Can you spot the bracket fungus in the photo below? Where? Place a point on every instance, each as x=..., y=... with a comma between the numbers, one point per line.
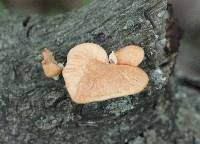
x=89, y=77
x=51, y=68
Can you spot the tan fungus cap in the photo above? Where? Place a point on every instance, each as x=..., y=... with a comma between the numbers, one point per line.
x=90, y=78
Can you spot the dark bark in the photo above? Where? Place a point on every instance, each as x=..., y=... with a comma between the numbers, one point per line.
x=35, y=109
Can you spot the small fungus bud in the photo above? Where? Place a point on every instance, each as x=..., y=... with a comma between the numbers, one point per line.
x=51, y=68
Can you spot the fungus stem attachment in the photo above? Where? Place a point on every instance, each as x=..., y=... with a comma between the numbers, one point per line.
x=112, y=58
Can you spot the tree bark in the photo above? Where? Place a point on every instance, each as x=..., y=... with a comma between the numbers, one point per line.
x=35, y=109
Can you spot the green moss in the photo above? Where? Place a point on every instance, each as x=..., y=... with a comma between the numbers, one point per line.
x=1, y=7
x=86, y=2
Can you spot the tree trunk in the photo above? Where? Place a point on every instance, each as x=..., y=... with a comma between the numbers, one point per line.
x=35, y=109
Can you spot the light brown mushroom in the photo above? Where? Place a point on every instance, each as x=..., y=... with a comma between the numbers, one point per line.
x=90, y=78
x=51, y=68
x=129, y=55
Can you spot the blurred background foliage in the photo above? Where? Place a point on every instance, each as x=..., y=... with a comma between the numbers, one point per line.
x=42, y=6
x=186, y=11
x=1, y=7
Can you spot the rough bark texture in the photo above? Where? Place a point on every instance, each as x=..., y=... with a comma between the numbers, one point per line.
x=35, y=109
